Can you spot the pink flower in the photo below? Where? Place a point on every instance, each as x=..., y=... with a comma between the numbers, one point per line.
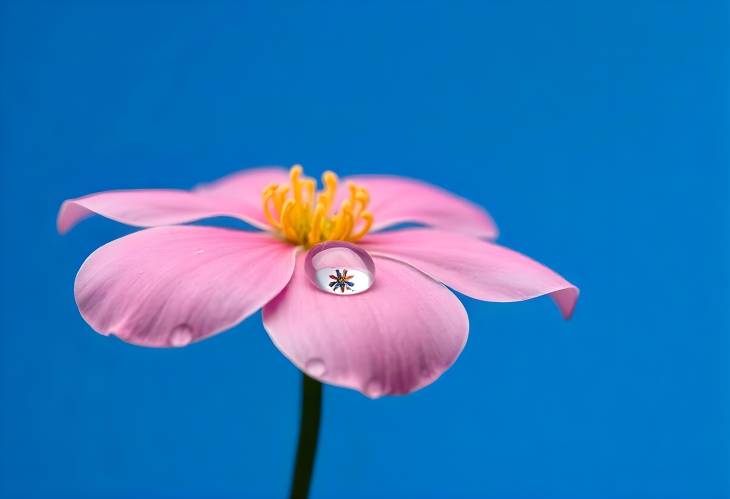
x=171, y=285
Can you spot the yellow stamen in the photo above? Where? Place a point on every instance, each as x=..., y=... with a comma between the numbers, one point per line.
x=310, y=186
x=304, y=216
x=280, y=196
x=329, y=179
x=294, y=174
x=285, y=223
x=353, y=193
x=339, y=232
x=363, y=197
x=368, y=218
x=316, y=223
x=268, y=195
x=340, y=219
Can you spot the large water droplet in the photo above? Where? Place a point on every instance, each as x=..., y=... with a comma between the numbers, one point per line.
x=374, y=388
x=181, y=335
x=315, y=367
x=340, y=268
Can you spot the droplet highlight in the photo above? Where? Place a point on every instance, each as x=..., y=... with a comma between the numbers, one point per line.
x=374, y=388
x=340, y=268
x=181, y=335
x=315, y=367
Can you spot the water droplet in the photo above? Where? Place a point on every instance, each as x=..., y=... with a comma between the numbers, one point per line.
x=200, y=252
x=374, y=388
x=315, y=367
x=340, y=268
x=181, y=335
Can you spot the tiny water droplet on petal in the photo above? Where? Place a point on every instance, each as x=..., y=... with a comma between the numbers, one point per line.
x=200, y=252
x=374, y=388
x=181, y=335
x=340, y=268
x=315, y=367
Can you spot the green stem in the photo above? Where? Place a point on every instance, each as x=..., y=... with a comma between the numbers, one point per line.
x=308, y=433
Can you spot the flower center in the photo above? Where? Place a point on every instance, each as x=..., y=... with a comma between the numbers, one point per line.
x=304, y=216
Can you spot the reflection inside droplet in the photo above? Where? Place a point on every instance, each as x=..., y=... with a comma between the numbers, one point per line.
x=181, y=335
x=340, y=268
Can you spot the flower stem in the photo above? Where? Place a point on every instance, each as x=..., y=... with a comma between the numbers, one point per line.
x=308, y=433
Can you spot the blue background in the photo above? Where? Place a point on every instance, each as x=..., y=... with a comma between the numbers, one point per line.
x=595, y=132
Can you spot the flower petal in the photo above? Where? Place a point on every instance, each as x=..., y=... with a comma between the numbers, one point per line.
x=246, y=184
x=170, y=286
x=154, y=207
x=395, y=338
x=479, y=269
x=396, y=200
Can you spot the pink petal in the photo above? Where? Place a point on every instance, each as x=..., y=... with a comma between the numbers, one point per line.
x=479, y=269
x=246, y=184
x=170, y=286
x=154, y=207
x=395, y=200
x=395, y=338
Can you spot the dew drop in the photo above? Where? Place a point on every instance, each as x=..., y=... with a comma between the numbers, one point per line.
x=315, y=367
x=181, y=335
x=340, y=268
x=374, y=388
x=200, y=252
